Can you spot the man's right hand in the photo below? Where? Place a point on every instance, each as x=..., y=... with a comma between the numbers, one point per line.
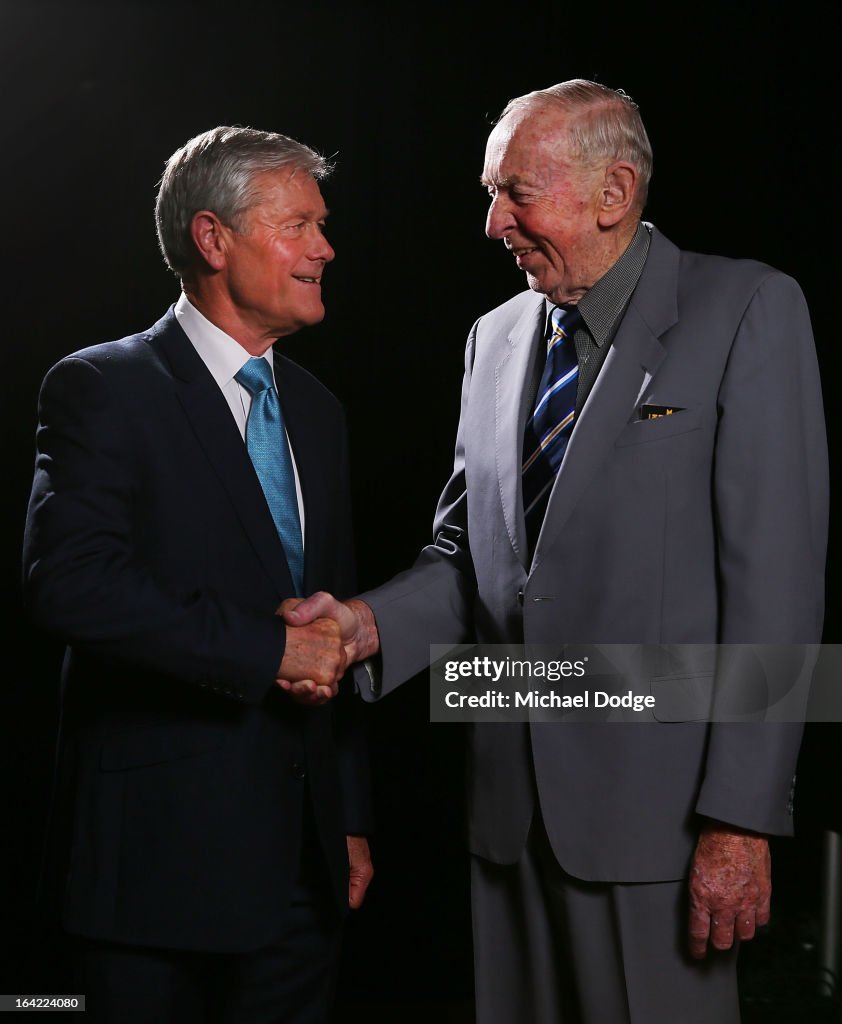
x=354, y=621
x=314, y=661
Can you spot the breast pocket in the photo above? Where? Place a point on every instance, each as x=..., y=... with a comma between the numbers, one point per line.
x=661, y=427
x=684, y=698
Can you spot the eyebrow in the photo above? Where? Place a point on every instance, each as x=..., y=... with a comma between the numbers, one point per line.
x=505, y=182
x=307, y=215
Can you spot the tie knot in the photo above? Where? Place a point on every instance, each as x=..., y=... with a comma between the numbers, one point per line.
x=255, y=376
x=566, y=319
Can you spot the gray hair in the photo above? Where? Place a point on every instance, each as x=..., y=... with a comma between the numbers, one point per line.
x=606, y=124
x=216, y=171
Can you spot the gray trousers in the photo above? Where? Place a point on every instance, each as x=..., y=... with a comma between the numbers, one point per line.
x=551, y=949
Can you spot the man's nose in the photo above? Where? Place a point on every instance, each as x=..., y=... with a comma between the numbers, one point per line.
x=322, y=250
x=499, y=220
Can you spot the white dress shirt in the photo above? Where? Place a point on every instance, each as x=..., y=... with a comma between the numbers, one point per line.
x=225, y=357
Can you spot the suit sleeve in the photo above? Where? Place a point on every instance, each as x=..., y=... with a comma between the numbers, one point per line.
x=770, y=494
x=431, y=603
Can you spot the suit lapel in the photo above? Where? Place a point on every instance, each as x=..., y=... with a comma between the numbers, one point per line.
x=635, y=352
x=511, y=375
x=211, y=420
x=308, y=446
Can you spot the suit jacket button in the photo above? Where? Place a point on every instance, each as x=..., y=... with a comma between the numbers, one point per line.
x=520, y=598
x=299, y=771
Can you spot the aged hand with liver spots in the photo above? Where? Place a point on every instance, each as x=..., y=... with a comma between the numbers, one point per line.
x=730, y=887
x=313, y=663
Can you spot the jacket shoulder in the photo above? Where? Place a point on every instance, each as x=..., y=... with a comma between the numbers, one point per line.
x=729, y=272
x=128, y=348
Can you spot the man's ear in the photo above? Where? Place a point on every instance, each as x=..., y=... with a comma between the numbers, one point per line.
x=618, y=193
x=207, y=232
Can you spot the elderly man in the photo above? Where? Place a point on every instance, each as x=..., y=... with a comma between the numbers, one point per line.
x=640, y=459
x=187, y=480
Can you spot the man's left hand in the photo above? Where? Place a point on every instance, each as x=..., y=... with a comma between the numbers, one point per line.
x=730, y=887
x=360, y=870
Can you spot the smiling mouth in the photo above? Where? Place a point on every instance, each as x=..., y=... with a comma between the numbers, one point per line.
x=309, y=280
x=523, y=257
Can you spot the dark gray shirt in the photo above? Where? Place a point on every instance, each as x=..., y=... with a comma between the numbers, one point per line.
x=602, y=309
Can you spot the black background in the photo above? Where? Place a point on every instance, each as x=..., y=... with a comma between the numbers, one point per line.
x=96, y=96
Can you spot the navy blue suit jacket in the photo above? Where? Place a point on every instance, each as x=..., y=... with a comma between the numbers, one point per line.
x=151, y=552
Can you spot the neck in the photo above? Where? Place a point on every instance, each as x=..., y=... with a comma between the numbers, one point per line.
x=218, y=308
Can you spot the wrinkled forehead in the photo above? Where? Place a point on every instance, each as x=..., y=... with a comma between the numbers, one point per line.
x=533, y=140
x=285, y=181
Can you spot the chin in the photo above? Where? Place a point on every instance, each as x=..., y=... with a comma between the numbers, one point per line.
x=537, y=284
x=541, y=276
x=311, y=317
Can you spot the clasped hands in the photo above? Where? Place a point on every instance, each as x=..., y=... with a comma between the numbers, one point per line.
x=324, y=636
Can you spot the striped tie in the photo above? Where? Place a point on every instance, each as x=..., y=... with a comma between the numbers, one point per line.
x=268, y=448
x=551, y=423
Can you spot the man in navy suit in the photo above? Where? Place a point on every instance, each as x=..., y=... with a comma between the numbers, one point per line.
x=617, y=867
x=211, y=826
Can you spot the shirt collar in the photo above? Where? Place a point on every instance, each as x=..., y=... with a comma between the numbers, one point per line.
x=222, y=355
x=602, y=304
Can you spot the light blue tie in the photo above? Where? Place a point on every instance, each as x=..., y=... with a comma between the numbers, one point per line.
x=268, y=448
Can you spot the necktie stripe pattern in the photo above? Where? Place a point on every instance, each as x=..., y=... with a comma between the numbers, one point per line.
x=268, y=449
x=551, y=423
x=547, y=440
x=558, y=384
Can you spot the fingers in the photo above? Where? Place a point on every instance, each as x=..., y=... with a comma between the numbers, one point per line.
x=700, y=925
x=764, y=909
x=298, y=612
x=720, y=929
x=287, y=605
x=322, y=639
x=307, y=692
x=314, y=661
x=357, y=888
x=354, y=619
x=308, y=688
x=360, y=870
x=730, y=888
x=745, y=925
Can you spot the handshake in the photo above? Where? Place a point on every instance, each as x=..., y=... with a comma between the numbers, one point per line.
x=324, y=636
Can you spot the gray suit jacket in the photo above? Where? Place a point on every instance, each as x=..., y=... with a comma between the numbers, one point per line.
x=706, y=526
